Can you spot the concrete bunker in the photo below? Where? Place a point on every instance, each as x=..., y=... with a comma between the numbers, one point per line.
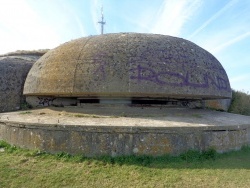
x=14, y=68
x=126, y=68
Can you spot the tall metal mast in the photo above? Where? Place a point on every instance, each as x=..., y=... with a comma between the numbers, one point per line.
x=102, y=22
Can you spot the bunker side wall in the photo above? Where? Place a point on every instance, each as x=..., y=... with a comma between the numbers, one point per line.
x=117, y=141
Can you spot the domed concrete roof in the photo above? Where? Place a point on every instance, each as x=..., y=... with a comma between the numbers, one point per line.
x=128, y=65
x=14, y=68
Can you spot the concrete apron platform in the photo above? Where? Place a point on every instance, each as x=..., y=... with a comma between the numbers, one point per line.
x=95, y=130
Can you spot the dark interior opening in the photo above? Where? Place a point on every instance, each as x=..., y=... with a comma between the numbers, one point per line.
x=161, y=102
x=89, y=100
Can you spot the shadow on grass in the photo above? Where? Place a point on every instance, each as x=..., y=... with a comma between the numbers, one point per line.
x=192, y=159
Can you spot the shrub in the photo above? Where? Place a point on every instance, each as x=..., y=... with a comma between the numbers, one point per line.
x=25, y=106
x=240, y=103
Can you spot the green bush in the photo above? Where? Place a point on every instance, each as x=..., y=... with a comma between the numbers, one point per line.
x=240, y=103
x=25, y=106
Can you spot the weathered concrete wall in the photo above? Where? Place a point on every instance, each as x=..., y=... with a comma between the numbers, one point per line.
x=113, y=141
x=13, y=73
x=220, y=104
x=14, y=68
x=36, y=101
x=216, y=104
x=129, y=65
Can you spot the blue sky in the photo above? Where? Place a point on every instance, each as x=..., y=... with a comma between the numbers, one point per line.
x=220, y=26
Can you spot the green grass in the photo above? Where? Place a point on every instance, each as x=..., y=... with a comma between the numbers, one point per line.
x=26, y=168
x=26, y=112
x=88, y=116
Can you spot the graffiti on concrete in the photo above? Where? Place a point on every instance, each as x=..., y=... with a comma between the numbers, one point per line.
x=168, y=72
x=45, y=101
x=100, y=65
x=100, y=70
x=178, y=79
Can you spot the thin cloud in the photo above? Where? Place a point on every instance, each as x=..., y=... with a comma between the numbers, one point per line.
x=23, y=28
x=173, y=15
x=141, y=25
x=77, y=19
x=240, y=78
x=80, y=25
x=215, y=16
x=240, y=81
x=231, y=42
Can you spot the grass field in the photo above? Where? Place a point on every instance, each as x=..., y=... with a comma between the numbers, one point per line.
x=26, y=168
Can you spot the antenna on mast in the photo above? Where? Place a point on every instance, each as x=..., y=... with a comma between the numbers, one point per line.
x=102, y=22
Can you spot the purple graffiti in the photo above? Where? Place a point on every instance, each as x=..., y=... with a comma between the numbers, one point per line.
x=179, y=79
x=166, y=73
x=100, y=70
x=100, y=65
